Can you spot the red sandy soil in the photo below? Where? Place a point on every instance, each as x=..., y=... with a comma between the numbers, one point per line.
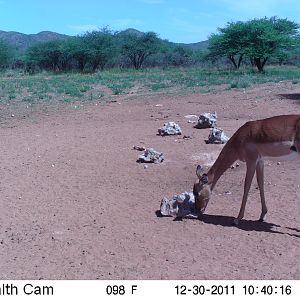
x=75, y=204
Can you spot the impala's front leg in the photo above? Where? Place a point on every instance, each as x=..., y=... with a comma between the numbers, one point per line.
x=260, y=182
x=251, y=166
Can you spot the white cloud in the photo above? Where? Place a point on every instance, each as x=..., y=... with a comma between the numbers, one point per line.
x=116, y=24
x=83, y=28
x=249, y=9
x=152, y=1
x=120, y=24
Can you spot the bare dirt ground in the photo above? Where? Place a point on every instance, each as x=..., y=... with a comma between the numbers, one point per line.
x=75, y=204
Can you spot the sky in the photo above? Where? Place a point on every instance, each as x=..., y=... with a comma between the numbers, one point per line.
x=181, y=21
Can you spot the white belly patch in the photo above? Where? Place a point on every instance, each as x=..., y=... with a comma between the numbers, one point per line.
x=293, y=155
x=283, y=151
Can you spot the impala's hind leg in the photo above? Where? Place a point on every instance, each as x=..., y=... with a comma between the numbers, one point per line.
x=260, y=182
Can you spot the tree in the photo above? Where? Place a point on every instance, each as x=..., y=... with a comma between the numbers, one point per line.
x=230, y=43
x=75, y=51
x=137, y=47
x=180, y=56
x=100, y=47
x=91, y=50
x=200, y=55
x=269, y=38
x=45, y=55
x=259, y=39
x=6, y=53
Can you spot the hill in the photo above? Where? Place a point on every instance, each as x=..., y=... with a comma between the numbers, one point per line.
x=22, y=41
x=195, y=46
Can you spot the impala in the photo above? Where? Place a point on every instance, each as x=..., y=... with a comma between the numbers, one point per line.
x=273, y=138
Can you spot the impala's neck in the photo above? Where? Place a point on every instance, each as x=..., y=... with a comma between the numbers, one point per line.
x=224, y=161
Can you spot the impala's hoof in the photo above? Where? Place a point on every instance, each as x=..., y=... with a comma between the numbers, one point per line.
x=235, y=222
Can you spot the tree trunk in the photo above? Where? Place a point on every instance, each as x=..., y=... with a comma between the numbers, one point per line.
x=240, y=60
x=264, y=61
x=231, y=57
x=95, y=65
x=260, y=63
x=81, y=64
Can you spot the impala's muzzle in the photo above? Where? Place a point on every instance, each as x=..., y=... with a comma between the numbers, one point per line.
x=202, y=195
x=293, y=148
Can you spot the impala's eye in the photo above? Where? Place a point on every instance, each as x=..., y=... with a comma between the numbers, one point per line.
x=204, y=179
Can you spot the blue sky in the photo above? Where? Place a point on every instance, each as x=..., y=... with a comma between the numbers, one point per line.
x=184, y=21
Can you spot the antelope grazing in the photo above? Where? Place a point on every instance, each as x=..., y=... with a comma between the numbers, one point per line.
x=273, y=138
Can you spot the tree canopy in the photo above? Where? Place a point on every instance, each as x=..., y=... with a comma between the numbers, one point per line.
x=6, y=53
x=137, y=47
x=258, y=39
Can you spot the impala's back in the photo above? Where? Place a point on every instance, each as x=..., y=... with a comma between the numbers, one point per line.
x=273, y=138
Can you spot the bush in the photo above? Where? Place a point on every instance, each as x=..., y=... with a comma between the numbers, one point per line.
x=6, y=54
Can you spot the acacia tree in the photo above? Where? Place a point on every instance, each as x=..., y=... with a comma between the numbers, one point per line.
x=5, y=53
x=269, y=38
x=230, y=43
x=75, y=51
x=137, y=47
x=45, y=55
x=259, y=39
x=100, y=47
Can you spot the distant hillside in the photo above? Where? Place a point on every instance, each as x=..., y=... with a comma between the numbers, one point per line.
x=195, y=46
x=22, y=41
x=132, y=31
x=199, y=45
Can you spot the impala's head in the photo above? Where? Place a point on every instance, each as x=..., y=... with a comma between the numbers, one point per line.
x=201, y=190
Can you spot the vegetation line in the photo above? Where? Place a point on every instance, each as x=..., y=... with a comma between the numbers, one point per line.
x=105, y=63
x=256, y=42
x=47, y=86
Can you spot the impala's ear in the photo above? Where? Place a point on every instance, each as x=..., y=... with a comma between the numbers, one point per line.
x=204, y=179
x=198, y=171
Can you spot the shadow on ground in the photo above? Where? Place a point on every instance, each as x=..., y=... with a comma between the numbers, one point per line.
x=295, y=96
x=246, y=225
